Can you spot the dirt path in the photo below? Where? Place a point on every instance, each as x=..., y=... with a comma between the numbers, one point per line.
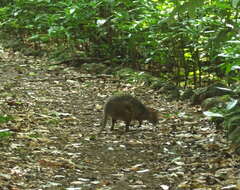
x=57, y=111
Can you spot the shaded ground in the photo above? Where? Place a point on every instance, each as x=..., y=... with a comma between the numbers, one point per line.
x=57, y=111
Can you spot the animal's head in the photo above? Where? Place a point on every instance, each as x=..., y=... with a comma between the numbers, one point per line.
x=153, y=116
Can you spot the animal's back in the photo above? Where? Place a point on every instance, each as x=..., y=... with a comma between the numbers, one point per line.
x=123, y=106
x=127, y=108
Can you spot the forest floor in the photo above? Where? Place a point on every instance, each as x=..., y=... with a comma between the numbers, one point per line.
x=53, y=143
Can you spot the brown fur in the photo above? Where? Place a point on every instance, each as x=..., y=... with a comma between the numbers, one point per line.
x=127, y=108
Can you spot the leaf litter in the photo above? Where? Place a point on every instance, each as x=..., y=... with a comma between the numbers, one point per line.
x=57, y=110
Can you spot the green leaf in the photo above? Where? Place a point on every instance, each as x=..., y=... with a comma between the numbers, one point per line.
x=4, y=119
x=235, y=67
x=234, y=136
x=72, y=10
x=5, y=133
x=225, y=89
x=222, y=5
x=188, y=6
x=212, y=114
x=235, y=3
x=232, y=104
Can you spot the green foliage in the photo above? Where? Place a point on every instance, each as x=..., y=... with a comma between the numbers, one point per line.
x=230, y=118
x=5, y=134
x=231, y=122
x=132, y=76
x=5, y=118
x=188, y=41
